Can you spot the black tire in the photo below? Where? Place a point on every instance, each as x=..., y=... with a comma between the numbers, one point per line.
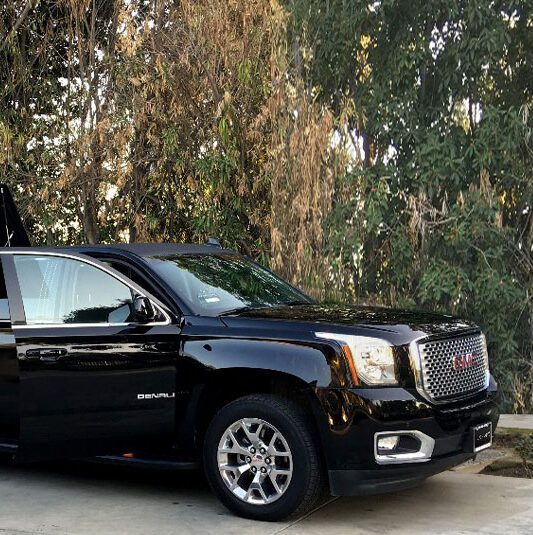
x=307, y=482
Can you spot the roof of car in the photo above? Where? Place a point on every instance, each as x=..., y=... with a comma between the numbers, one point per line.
x=140, y=249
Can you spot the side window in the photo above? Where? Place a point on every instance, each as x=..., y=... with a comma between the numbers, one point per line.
x=127, y=271
x=136, y=276
x=64, y=290
x=4, y=305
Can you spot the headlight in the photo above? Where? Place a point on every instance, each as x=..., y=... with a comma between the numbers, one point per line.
x=370, y=360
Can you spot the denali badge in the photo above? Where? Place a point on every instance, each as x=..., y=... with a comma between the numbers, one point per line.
x=160, y=395
x=460, y=362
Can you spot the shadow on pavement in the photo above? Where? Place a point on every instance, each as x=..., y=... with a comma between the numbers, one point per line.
x=132, y=476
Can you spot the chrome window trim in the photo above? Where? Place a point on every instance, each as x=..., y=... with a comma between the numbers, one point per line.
x=81, y=325
x=105, y=269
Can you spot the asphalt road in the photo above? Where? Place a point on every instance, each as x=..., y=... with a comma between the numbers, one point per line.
x=82, y=498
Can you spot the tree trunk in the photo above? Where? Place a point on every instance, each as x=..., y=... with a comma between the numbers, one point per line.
x=90, y=215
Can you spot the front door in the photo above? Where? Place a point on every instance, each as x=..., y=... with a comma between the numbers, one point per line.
x=92, y=379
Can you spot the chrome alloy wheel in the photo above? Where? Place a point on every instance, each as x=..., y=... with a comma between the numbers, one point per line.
x=255, y=461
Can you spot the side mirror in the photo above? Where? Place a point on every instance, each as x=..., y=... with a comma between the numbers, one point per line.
x=143, y=310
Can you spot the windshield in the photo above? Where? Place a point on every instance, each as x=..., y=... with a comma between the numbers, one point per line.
x=212, y=284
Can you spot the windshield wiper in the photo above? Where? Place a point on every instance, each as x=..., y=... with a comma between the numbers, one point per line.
x=296, y=302
x=242, y=309
x=260, y=307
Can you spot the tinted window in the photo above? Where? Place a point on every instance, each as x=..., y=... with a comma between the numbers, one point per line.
x=215, y=283
x=4, y=310
x=4, y=306
x=64, y=290
x=131, y=274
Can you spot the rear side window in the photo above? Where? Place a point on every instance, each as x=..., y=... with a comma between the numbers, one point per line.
x=64, y=290
x=4, y=305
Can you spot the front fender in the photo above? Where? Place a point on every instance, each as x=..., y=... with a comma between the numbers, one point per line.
x=317, y=365
x=214, y=370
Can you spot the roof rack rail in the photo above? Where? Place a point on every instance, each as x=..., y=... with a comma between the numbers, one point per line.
x=214, y=242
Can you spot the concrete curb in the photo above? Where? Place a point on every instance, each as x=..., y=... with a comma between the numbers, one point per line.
x=516, y=422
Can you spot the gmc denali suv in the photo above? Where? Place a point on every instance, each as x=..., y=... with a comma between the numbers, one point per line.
x=193, y=355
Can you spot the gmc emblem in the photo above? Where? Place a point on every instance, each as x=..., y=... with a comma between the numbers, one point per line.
x=460, y=362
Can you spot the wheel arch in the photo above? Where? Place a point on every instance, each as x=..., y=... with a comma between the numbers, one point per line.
x=224, y=369
x=227, y=385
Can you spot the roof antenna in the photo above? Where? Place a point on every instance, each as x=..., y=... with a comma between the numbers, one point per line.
x=4, y=211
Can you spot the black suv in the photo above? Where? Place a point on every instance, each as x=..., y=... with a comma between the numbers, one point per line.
x=187, y=355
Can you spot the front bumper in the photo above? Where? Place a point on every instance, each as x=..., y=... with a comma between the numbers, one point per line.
x=390, y=479
x=353, y=417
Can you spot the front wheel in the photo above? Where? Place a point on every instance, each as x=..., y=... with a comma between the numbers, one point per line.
x=261, y=459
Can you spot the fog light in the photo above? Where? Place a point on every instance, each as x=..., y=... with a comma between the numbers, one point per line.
x=402, y=446
x=387, y=444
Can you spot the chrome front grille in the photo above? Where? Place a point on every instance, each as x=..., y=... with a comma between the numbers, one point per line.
x=452, y=368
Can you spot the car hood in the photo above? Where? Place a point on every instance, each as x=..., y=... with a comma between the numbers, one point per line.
x=407, y=324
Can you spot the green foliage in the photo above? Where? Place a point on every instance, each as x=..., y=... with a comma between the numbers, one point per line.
x=373, y=152
x=524, y=447
x=438, y=214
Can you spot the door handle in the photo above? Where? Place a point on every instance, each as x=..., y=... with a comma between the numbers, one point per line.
x=49, y=354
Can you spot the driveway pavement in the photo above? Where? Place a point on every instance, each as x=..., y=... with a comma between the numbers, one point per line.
x=97, y=499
